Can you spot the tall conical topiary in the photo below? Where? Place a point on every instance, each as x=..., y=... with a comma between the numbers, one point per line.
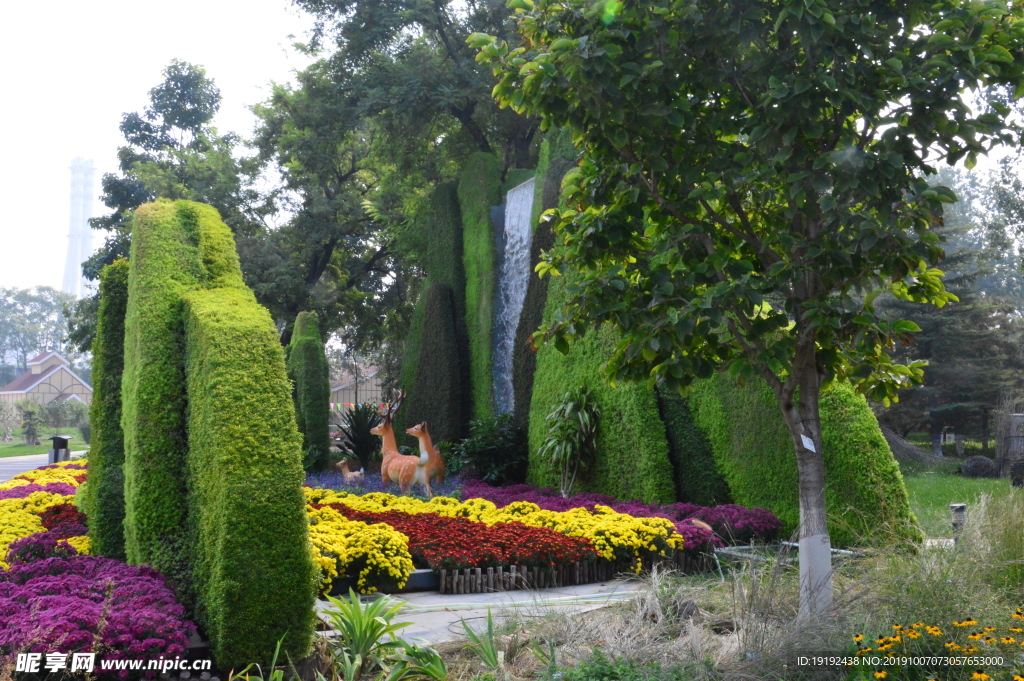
x=310, y=374
x=104, y=493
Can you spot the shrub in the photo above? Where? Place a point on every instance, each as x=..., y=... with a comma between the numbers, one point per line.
x=310, y=375
x=479, y=189
x=439, y=394
x=631, y=460
x=693, y=462
x=252, y=567
x=31, y=421
x=572, y=434
x=864, y=493
x=356, y=439
x=978, y=467
x=104, y=497
x=495, y=451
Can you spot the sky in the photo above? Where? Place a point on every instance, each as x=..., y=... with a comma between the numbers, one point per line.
x=71, y=69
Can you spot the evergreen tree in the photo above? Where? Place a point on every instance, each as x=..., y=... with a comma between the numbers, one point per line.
x=310, y=374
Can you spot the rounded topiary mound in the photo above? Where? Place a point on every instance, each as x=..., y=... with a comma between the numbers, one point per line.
x=978, y=467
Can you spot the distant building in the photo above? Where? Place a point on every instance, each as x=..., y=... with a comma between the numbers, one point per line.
x=79, y=232
x=356, y=389
x=49, y=377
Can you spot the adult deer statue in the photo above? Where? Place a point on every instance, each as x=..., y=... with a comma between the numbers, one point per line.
x=435, y=464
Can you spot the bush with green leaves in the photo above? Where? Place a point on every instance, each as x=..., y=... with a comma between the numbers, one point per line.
x=495, y=451
x=310, y=376
x=354, y=424
x=104, y=495
x=572, y=436
x=31, y=420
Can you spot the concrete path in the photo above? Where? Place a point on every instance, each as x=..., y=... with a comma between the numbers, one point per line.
x=13, y=465
x=436, y=618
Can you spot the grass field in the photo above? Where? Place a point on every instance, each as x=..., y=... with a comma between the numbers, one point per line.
x=931, y=493
x=19, y=448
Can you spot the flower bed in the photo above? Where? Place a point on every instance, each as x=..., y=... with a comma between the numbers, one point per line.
x=89, y=603
x=730, y=522
x=25, y=499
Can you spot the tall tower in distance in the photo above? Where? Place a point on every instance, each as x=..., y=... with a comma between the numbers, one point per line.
x=79, y=233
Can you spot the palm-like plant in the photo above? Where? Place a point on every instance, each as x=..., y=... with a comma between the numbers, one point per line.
x=572, y=436
x=356, y=439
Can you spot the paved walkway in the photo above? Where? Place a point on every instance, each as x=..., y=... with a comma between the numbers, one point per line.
x=13, y=465
x=436, y=618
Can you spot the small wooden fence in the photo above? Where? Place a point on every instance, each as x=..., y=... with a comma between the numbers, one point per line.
x=508, y=578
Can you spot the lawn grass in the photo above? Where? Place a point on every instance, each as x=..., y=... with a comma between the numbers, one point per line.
x=931, y=493
x=18, y=447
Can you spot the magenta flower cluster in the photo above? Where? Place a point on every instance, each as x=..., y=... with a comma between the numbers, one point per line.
x=730, y=522
x=39, y=546
x=90, y=604
x=23, y=491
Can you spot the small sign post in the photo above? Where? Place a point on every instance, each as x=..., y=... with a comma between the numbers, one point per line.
x=61, y=451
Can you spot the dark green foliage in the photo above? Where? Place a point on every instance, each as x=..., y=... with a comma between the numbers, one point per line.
x=555, y=160
x=310, y=375
x=864, y=490
x=479, y=189
x=439, y=394
x=495, y=451
x=165, y=265
x=693, y=461
x=104, y=502
x=356, y=439
x=253, y=572
x=601, y=668
x=515, y=177
x=438, y=238
x=632, y=449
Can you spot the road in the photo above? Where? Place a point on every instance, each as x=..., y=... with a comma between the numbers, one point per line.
x=13, y=465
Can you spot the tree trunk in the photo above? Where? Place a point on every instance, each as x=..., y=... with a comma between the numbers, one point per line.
x=984, y=435
x=804, y=423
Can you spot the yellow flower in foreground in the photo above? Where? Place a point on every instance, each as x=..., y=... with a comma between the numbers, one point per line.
x=881, y=674
x=81, y=544
x=980, y=676
x=1008, y=639
x=858, y=638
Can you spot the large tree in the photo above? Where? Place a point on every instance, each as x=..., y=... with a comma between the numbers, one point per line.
x=171, y=151
x=31, y=321
x=753, y=175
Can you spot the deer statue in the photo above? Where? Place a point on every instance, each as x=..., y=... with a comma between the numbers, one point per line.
x=435, y=466
x=349, y=476
x=386, y=431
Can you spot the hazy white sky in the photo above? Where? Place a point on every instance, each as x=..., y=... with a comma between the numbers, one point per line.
x=70, y=69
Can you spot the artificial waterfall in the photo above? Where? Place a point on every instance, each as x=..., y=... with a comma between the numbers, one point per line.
x=513, y=276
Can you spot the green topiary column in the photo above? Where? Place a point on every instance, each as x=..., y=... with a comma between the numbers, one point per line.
x=439, y=394
x=310, y=374
x=213, y=494
x=104, y=493
x=479, y=189
x=253, y=571
x=165, y=264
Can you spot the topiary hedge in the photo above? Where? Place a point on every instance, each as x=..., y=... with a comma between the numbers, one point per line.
x=165, y=264
x=632, y=450
x=310, y=375
x=104, y=494
x=438, y=232
x=865, y=494
x=253, y=572
x=693, y=462
x=439, y=396
x=479, y=189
